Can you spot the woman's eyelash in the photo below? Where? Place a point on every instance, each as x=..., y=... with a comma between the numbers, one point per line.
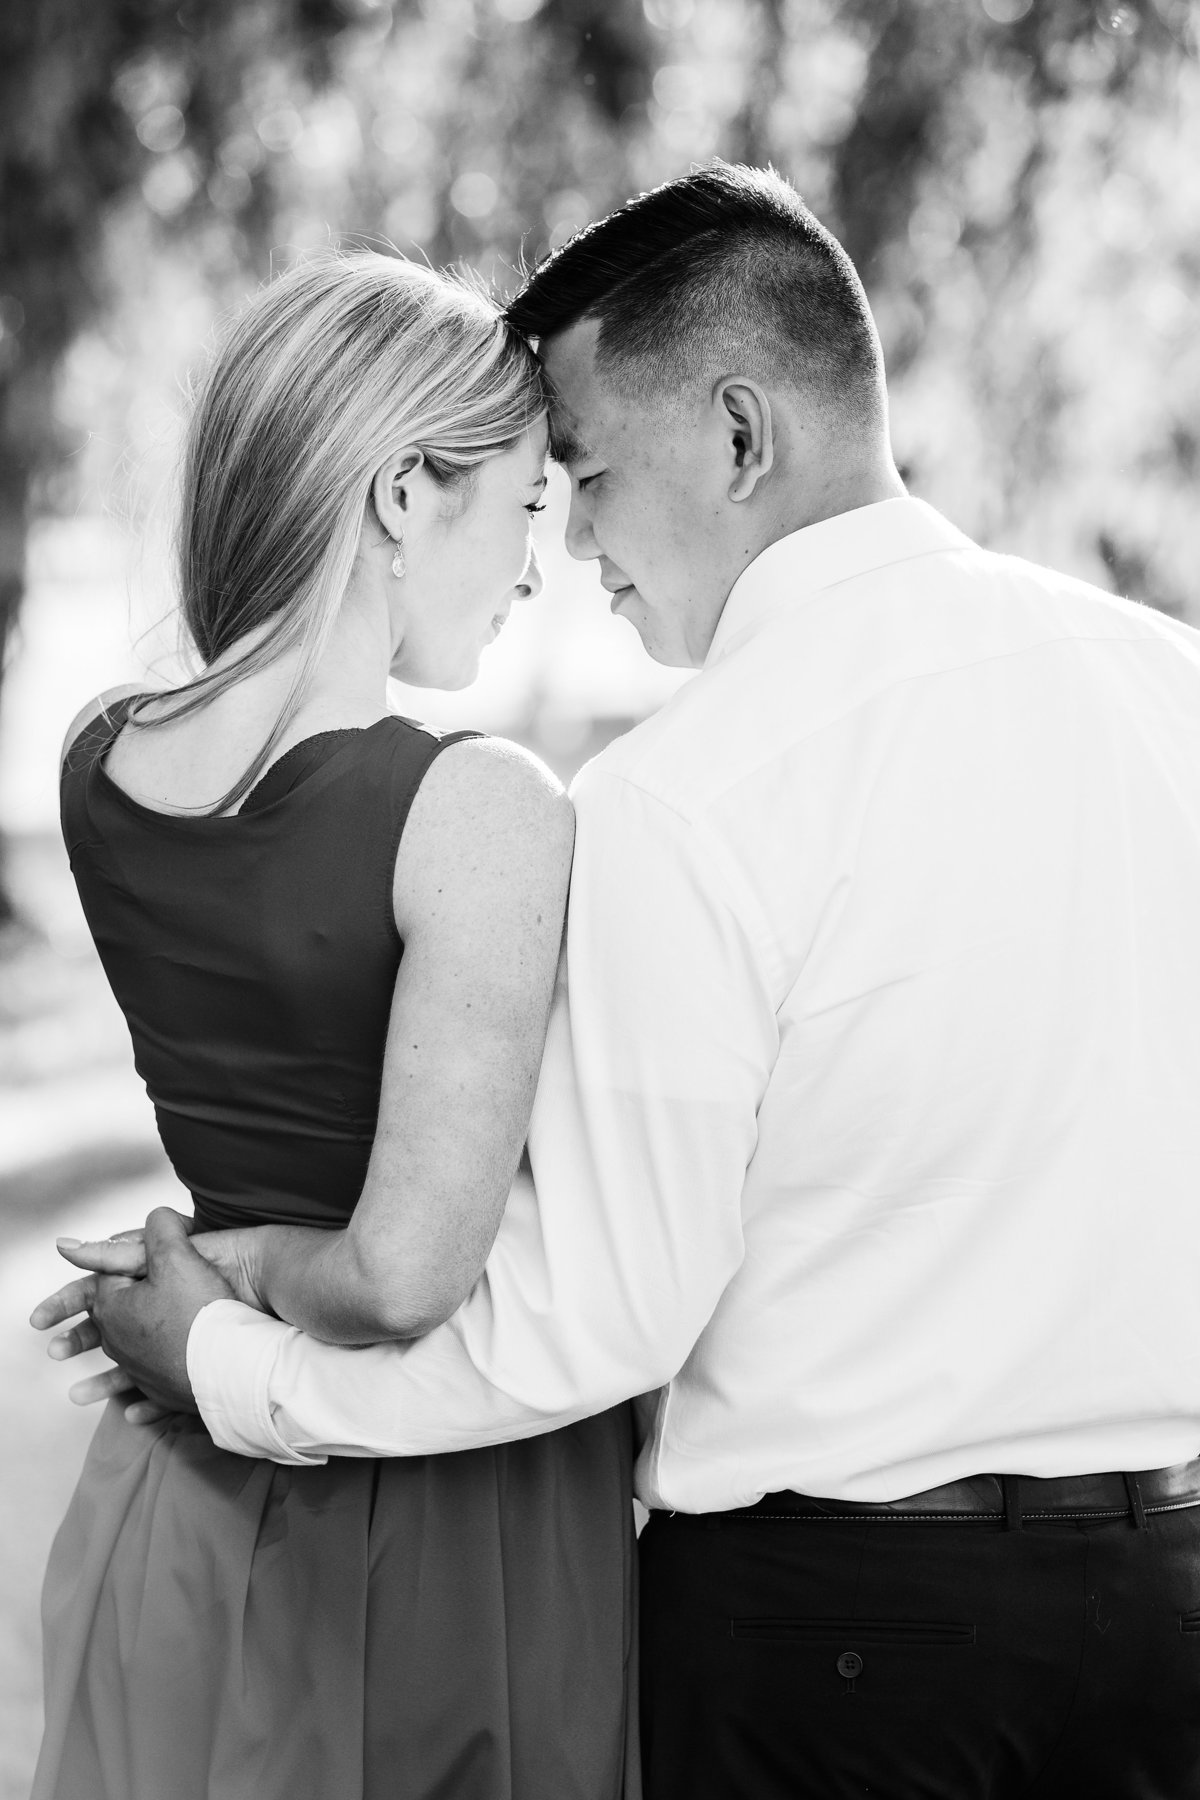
x=535, y=506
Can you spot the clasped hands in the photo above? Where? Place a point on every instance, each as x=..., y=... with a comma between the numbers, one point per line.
x=137, y=1303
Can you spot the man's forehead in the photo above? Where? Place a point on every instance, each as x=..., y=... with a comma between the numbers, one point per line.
x=567, y=441
x=576, y=399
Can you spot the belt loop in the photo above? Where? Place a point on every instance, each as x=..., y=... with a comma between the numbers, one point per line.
x=1011, y=1485
x=1136, y=1507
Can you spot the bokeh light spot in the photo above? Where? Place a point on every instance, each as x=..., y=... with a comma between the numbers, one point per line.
x=411, y=218
x=474, y=194
x=396, y=134
x=1120, y=21
x=161, y=129
x=677, y=86
x=229, y=189
x=668, y=15
x=168, y=185
x=280, y=129
x=565, y=213
x=242, y=152
x=330, y=140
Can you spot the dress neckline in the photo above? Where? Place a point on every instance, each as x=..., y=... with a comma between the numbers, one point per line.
x=160, y=815
x=269, y=780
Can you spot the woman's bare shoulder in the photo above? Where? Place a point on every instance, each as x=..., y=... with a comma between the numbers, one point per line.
x=489, y=811
x=478, y=781
x=87, y=715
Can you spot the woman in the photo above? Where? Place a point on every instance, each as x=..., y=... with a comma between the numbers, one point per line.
x=334, y=937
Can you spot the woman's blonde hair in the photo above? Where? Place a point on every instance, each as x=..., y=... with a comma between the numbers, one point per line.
x=329, y=371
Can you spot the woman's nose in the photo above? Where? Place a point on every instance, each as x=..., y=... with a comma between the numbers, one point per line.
x=531, y=582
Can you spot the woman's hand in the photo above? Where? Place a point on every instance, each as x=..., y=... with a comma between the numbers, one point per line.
x=232, y=1253
x=123, y=1264
x=124, y=1253
x=120, y=1261
x=141, y=1291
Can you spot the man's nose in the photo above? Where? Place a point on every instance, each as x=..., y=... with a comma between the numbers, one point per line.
x=580, y=539
x=532, y=580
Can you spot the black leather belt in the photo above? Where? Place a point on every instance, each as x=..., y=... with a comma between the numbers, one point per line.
x=1003, y=1499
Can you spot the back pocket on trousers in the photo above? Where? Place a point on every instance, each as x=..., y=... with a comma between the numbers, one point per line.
x=852, y=1632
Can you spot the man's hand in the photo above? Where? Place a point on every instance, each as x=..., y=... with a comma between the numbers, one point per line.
x=111, y=1384
x=142, y=1324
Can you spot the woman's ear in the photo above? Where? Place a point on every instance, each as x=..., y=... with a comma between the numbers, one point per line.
x=746, y=418
x=394, y=490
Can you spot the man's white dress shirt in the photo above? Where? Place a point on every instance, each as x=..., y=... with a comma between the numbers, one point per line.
x=869, y=1124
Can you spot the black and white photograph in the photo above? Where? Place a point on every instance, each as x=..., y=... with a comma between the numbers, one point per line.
x=600, y=899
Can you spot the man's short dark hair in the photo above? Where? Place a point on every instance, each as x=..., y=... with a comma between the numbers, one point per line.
x=725, y=269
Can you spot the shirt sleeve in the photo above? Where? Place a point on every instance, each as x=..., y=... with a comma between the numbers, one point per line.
x=662, y=1037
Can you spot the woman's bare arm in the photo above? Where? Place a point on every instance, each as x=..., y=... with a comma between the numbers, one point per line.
x=480, y=894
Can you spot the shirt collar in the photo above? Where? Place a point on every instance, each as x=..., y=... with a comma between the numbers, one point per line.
x=821, y=555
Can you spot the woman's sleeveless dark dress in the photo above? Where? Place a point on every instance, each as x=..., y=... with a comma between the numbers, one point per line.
x=431, y=1628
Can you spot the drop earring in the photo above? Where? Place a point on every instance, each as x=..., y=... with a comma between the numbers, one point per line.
x=399, y=562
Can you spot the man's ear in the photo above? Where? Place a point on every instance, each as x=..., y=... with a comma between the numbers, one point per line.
x=746, y=417
x=392, y=490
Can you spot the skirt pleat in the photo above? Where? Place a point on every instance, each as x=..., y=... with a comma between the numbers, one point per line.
x=432, y=1628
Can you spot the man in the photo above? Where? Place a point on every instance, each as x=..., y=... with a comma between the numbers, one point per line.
x=867, y=1127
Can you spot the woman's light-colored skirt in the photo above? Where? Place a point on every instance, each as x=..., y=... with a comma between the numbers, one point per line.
x=434, y=1628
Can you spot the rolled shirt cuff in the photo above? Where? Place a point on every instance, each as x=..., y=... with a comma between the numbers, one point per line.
x=231, y=1352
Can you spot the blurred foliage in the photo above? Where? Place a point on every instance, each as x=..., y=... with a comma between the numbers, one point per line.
x=1018, y=181
x=102, y=101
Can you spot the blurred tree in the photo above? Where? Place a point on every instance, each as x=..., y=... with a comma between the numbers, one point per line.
x=243, y=117
x=1010, y=190
x=100, y=100
x=921, y=51
x=491, y=127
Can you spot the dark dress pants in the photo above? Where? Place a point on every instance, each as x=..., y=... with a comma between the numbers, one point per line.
x=803, y=1659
